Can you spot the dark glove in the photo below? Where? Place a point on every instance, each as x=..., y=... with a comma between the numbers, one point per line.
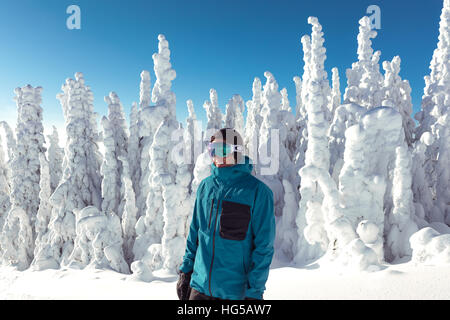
x=183, y=287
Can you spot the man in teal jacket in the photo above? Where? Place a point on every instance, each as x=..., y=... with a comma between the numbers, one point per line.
x=230, y=244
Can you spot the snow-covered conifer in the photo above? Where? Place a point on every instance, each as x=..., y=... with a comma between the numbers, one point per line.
x=177, y=208
x=5, y=204
x=234, y=117
x=335, y=91
x=317, y=154
x=152, y=116
x=192, y=136
x=10, y=141
x=214, y=116
x=301, y=117
x=423, y=198
x=286, y=235
x=144, y=92
x=129, y=216
x=147, y=118
x=345, y=116
x=442, y=129
x=253, y=121
x=364, y=80
x=133, y=147
x=30, y=143
x=288, y=119
x=25, y=178
x=162, y=94
x=98, y=243
x=437, y=80
x=397, y=94
x=45, y=209
x=81, y=181
x=16, y=239
x=141, y=135
x=115, y=139
x=149, y=227
x=55, y=159
x=434, y=118
x=369, y=198
x=401, y=224
x=274, y=163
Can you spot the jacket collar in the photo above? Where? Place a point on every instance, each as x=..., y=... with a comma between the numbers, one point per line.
x=227, y=175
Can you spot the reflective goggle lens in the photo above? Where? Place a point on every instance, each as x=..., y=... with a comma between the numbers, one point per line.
x=219, y=149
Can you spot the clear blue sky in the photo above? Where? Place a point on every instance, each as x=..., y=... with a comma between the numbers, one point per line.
x=215, y=44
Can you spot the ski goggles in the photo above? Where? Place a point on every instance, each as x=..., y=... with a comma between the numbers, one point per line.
x=222, y=149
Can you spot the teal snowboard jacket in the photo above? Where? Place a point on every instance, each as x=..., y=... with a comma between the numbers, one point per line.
x=230, y=244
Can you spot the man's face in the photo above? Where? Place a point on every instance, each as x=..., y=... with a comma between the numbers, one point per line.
x=227, y=161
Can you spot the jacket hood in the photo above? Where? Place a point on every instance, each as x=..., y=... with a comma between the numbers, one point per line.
x=231, y=173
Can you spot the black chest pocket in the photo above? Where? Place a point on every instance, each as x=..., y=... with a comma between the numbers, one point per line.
x=234, y=220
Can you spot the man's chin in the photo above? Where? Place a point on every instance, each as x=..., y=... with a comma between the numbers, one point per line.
x=220, y=164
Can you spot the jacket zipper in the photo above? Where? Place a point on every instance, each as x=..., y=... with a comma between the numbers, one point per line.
x=210, y=213
x=214, y=242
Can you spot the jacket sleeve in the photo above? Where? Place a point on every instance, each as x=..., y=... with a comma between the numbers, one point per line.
x=191, y=243
x=263, y=232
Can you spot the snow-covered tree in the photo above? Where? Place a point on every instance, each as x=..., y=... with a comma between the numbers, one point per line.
x=81, y=181
x=45, y=209
x=115, y=139
x=149, y=227
x=5, y=204
x=144, y=92
x=335, y=91
x=442, y=129
x=145, y=127
x=10, y=146
x=234, y=116
x=162, y=94
x=301, y=117
x=192, y=137
x=151, y=117
x=98, y=242
x=42, y=249
x=55, y=159
x=423, y=198
x=364, y=80
x=438, y=78
x=129, y=216
x=306, y=77
x=288, y=119
x=213, y=114
x=16, y=239
x=401, y=218
x=19, y=233
x=370, y=217
x=373, y=202
x=178, y=205
x=317, y=155
x=134, y=155
x=434, y=118
x=30, y=143
x=253, y=121
x=286, y=235
x=274, y=163
x=345, y=116
x=397, y=94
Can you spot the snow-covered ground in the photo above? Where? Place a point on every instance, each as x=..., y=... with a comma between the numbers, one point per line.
x=400, y=281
